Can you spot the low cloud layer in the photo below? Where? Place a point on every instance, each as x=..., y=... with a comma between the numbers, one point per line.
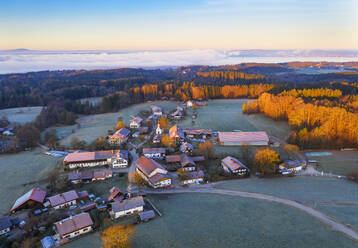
x=24, y=60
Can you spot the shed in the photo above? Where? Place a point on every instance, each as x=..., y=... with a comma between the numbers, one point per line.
x=146, y=215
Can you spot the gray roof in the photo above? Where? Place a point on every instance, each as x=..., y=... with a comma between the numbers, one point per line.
x=5, y=223
x=147, y=215
x=128, y=204
x=48, y=242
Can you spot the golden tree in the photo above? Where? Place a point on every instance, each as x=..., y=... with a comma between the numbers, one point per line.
x=266, y=161
x=291, y=149
x=118, y=236
x=168, y=141
x=119, y=125
x=164, y=123
x=207, y=148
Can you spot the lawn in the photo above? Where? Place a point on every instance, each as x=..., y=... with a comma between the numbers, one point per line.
x=21, y=115
x=335, y=197
x=227, y=222
x=19, y=169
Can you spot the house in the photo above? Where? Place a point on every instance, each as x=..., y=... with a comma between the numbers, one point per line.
x=243, y=138
x=119, y=136
x=115, y=194
x=143, y=130
x=136, y=122
x=198, y=133
x=157, y=138
x=292, y=166
x=177, y=115
x=154, y=152
x=175, y=132
x=101, y=175
x=126, y=207
x=116, y=158
x=32, y=198
x=194, y=177
x=189, y=103
x=186, y=163
x=153, y=173
x=234, y=166
x=156, y=111
x=186, y=147
x=158, y=130
x=5, y=225
x=64, y=200
x=146, y=215
x=74, y=226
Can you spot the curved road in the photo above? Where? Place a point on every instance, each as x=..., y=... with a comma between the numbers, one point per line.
x=332, y=223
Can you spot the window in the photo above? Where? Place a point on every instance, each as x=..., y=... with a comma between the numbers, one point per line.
x=85, y=229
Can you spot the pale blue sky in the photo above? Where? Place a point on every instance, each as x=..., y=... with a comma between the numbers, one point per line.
x=185, y=24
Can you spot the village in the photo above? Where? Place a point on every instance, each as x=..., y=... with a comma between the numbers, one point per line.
x=156, y=154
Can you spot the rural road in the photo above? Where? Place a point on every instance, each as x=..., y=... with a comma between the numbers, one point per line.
x=332, y=223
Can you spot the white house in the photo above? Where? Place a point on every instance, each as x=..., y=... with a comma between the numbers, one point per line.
x=154, y=152
x=194, y=177
x=157, y=111
x=63, y=200
x=136, y=122
x=153, y=173
x=158, y=130
x=234, y=166
x=120, y=160
x=74, y=226
x=126, y=207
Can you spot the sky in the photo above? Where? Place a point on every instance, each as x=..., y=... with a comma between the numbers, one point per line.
x=184, y=24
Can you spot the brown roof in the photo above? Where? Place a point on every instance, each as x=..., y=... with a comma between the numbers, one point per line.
x=243, y=137
x=183, y=159
x=114, y=192
x=147, y=166
x=83, y=194
x=73, y=223
x=195, y=175
x=89, y=156
x=158, y=177
x=137, y=120
x=63, y=198
x=127, y=204
x=35, y=194
x=198, y=131
x=233, y=163
x=102, y=174
x=153, y=150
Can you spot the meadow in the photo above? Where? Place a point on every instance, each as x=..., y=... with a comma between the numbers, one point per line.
x=226, y=222
x=21, y=115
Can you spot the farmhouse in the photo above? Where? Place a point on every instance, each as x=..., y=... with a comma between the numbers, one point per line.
x=154, y=152
x=117, y=158
x=63, y=200
x=119, y=136
x=5, y=225
x=234, y=166
x=186, y=163
x=176, y=133
x=198, y=133
x=136, y=122
x=34, y=197
x=194, y=177
x=74, y=226
x=157, y=111
x=243, y=138
x=126, y=207
x=153, y=172
x=186, y=147
x=89, y=176
x=115, y=194
x=289, y=166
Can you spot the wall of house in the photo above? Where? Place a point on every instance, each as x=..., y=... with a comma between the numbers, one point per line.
x=162, y=184
x=67, y=204
x=127, y=212
x=120, y=163
x=77, y=233
x=86, y=164
x=2, y=232
x=154, y=155
x=195, y=180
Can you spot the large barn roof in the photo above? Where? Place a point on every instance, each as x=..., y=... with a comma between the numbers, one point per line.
x=243, y=137
x=73, y=223
x=35, y=194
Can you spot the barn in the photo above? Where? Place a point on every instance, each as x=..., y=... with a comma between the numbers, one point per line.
x=243, y=138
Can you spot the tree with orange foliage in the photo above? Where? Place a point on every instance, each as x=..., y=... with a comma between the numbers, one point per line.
x=118, y=236
x=207, y=148
x=119, y=125
x=291, y=149
x=167, y=141
x=266, y=161
x=164, y=123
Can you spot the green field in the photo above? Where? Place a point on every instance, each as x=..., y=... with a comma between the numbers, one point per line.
x=336, y=197
x=206, y=220
x=21, y=115
x=19, y=169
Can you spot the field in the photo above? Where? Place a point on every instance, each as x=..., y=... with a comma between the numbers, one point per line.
x=19, y=169
x=21, y=115
x=336, y=197
x=227, y=222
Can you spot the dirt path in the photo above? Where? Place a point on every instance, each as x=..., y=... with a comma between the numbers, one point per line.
x=332, y=223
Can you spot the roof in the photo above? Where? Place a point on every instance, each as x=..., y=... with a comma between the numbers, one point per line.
x=184, y=159
x=194, y=175
x=184, y=146
x=82, y=194
x=137, y=120
x=35, y=194
x=243, y=137
x=176, y=131
x=147, y=166
x=114, y=192
x=158, y=177
x=102, y=174
x=63, y=198
x=146, y=215
x=93, y=156
x=48, y=242
x=5, y=222
x=233, y=163
x=121, y=133
x=153, y=150
x=74, y=176
x=172, y=158
x=198, y=131
x=127, y=204
x=73, y=223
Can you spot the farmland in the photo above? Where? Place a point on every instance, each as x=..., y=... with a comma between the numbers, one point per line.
x=238, y=223
x=21, y=115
